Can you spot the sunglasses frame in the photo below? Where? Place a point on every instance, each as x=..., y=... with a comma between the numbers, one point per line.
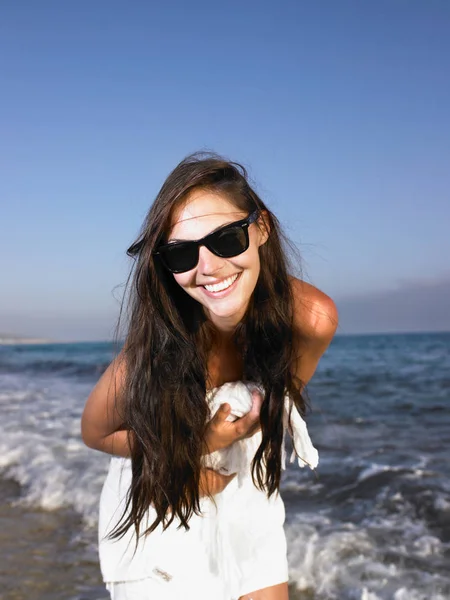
x=243, y=223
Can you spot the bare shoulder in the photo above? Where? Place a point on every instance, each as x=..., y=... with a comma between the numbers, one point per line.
x=315, y=313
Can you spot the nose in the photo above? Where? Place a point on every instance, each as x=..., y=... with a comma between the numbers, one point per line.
x=209, y=263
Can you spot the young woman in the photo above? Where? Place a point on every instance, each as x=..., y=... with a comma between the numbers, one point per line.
x=211, y=302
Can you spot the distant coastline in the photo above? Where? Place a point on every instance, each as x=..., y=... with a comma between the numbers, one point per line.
x=12, y=340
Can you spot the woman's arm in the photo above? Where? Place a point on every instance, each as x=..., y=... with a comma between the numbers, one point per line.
x=212, y=482
x=315, y=323
x=102, y=420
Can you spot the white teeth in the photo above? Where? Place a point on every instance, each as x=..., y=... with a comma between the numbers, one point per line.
x=223, y=285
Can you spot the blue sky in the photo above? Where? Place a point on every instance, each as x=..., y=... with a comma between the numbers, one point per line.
x=339, y=109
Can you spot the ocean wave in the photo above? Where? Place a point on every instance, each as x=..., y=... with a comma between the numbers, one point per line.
x=54, y=474
x=373, y=523
x=55, y=367
x=331, y=560
x=381, y=470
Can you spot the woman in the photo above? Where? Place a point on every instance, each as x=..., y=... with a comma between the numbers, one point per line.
x=211, y=302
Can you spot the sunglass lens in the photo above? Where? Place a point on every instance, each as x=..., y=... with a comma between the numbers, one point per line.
x=180, y=257
x=229, y=242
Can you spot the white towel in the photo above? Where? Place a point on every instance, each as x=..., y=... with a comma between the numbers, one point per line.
x=237, y=458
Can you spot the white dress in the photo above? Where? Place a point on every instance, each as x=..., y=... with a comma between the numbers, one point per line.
x=236, y=546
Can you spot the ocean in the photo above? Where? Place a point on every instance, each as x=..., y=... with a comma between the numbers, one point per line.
x=371, y=523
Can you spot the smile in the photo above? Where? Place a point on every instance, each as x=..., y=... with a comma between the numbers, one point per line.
x=222, y=285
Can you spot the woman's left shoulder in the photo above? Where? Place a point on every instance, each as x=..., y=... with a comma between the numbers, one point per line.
x=315, y=313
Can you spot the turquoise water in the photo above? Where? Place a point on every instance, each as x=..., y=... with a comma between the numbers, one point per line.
x=373, y=522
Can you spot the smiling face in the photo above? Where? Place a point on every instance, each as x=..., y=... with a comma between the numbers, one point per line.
x=222, y=285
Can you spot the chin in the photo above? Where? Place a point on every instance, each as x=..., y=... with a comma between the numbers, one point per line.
x=228, y=312
x=225, y=314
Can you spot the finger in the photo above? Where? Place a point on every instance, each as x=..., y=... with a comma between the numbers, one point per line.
x=253, y=415
x=222, y=412
x=216, y=482
x=257, y=400
x=248, y=424
x=253, y=429
x=245, y=424
x=225, y=478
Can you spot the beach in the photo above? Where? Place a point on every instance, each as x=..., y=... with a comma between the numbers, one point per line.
x=372, y=523
x=43, y=555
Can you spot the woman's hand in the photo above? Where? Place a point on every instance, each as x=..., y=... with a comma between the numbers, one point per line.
x=221, y=433
x=212, y=482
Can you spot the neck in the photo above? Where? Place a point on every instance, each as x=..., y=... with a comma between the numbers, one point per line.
x=223, y=338
x=225, y=326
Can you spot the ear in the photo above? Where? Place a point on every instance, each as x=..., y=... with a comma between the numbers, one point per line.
x=263, y=227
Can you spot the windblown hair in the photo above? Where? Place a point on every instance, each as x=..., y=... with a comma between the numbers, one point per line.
x=166, y=350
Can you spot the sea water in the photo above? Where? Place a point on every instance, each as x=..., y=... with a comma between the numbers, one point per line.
x=371, y=523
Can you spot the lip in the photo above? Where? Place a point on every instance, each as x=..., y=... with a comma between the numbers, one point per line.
x=223, y=293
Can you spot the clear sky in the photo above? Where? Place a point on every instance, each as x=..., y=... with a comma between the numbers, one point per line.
x=340, y=109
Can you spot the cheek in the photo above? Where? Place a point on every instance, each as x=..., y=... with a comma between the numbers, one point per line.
x=250, y=260
x=184, y=280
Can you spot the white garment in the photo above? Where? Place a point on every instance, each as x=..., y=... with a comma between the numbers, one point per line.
x=237, y=458
x=236, y=546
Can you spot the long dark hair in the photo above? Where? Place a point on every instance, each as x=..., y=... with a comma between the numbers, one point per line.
x=166, y=350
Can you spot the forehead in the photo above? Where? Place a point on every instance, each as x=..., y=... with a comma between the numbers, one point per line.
x=202, y=212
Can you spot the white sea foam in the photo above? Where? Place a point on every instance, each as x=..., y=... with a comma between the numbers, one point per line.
x=442, y=504
x=404, y=593
x=366, y=595
x=41, y=449
x=375, y=469
x=428, y=545
x=325, y=560
x=332, y=560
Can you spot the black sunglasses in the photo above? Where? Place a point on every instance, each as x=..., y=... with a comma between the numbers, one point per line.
x=227, y=241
